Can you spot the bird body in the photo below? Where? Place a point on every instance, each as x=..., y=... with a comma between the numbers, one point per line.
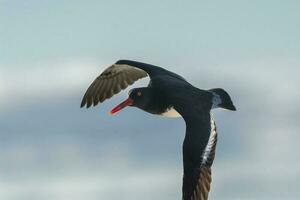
x=169, y=94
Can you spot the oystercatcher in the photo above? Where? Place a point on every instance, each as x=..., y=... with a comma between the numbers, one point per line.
x=170, y=95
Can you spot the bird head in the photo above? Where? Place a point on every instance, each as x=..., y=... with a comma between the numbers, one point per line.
x=137, y=97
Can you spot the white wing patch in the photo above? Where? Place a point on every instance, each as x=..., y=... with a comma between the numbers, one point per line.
x=171, y=112
x=210, y=147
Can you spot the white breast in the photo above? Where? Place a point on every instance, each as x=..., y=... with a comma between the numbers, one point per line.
x=171, y=112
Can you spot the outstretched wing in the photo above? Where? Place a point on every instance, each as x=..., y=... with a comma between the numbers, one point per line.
x=119, y=76
x=110, y=82
x=198, y=155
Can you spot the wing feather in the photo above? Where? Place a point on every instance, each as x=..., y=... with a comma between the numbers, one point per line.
x=110, y=82
x=197, y=177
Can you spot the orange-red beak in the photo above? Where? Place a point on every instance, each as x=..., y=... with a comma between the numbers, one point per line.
x=122, y=105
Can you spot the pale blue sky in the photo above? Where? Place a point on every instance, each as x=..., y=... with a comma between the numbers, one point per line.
x=50, y=51
x=235, y=30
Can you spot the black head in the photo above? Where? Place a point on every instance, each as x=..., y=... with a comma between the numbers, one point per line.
x=141, y=97
x=138, y=97
x=221, y=99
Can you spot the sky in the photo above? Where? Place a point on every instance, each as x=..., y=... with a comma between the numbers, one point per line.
x=50, y=51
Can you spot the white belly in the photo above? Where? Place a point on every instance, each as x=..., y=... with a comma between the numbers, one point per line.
x=171, y=113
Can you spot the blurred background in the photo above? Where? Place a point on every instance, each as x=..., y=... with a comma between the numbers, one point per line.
x=50, y=51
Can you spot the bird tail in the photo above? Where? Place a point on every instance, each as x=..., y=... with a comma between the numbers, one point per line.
x=221, y=99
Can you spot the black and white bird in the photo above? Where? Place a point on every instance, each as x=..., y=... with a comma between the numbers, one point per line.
x=170, y=95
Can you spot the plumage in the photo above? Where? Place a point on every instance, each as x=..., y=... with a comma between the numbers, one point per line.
x=197, y=185
x=110, y=82
x=170, y=95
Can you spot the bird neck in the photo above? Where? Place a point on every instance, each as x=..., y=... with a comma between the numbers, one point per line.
x=157, y=103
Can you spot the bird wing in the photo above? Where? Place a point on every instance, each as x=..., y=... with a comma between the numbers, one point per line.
x=198, y=154
x=110, y=82
x=119, y=76
x=152, y=70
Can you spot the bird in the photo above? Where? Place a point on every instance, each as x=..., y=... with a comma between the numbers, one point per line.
x=169, y=94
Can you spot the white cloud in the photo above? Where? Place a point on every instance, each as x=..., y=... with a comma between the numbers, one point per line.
x=47, y=80
x=124, y=183
x=231, y=180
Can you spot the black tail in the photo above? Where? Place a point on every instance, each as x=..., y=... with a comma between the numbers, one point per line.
x=221, y=99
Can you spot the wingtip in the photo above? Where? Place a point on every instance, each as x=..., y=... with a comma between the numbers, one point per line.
x=88, y=105
x=85, y=103
x=82, y=103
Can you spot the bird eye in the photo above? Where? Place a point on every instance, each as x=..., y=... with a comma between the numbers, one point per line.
x=139, y=93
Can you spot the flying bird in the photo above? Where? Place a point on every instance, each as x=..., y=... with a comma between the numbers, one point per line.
x=170, y=95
